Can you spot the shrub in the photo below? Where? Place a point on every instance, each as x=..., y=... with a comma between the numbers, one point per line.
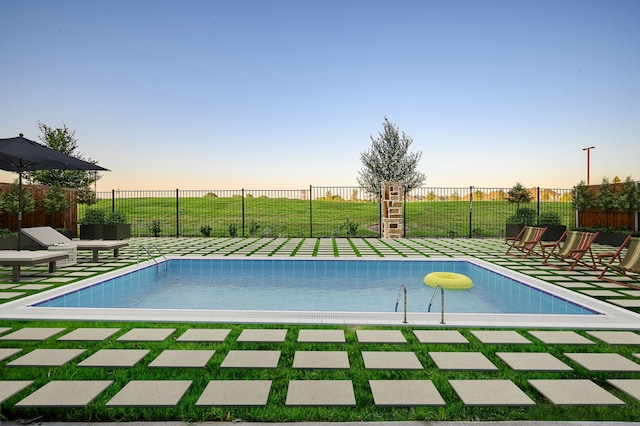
x=233, y=230
x=155, y=228
x=254, y=227
x=350, y=227
x=523, y=216
x=116, y=218
x=549, y=218
x=205, y=230
x=55, y=200
x=93, y=216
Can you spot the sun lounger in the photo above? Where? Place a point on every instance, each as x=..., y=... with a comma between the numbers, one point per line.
x=47, y=237
x=614, y=255
x=576, y=244
x=19, y=258
x=526, y=240
x=630, y=263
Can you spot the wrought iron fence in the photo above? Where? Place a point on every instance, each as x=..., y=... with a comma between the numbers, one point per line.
x=322, y=211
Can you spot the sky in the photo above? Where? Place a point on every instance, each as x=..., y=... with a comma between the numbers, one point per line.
x=283, y=94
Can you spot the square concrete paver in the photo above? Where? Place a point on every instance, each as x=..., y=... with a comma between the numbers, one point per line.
x=114, y=358
x=626, y=303
x=8, y=352
x=89, y=334
x=32, y=333
x=533, y=361
x=34, y=286
x=561, y=338
x=490, y=392
x=617, y=337
x=182, y=358
x=150, y=393
x=5, y=295
x=380, y=336
x=603, y=362
x=321, y=359
x=462, y=361
x=574, y=392
x=263, y=335
x=235, y=393
x=146, y=335
x=321, y=336
x=499, y=337
x=251, y=359
x=391, y=361
x=405, y=393
x=46, y=358
x=440, y=336
x=8, y=388
x=65, y=393
x=320, y=392
x=204, y=335
x=630, y=386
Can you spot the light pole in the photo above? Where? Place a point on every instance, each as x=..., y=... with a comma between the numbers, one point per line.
x=588, y=160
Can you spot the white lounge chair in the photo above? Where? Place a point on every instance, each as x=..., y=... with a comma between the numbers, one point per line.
x=19, y=258
x=47, y=237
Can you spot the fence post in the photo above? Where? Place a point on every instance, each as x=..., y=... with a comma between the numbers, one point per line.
x=538, y=209
x=177, y=214
x=310, y=213
x=113, y=200
x=242, y=212
x=404, y=211
x=470, y=211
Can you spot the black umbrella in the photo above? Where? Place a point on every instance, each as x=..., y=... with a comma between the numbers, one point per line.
x=23, y=155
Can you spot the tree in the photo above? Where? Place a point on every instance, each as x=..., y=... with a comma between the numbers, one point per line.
x=606, y=200
x=64, y=140
x=389, y=160
x=518, y=194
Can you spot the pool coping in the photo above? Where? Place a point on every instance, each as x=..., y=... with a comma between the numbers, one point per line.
x=612, y=317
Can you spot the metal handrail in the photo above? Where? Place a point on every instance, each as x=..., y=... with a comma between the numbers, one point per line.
x=403, y=288
x=442, y=304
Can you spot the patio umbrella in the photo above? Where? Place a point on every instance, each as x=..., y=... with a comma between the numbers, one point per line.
x=23, y=155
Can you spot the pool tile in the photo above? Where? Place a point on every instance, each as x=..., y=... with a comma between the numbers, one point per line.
x=321, y=336
x=89, y=334
x=114, y=358
x=150, y=393
x=391, y=361
x=262, y=335
x=500, y=337
x=321, y=359
x=603, y=361
x=462, y=361
x=629, y=386
x=146, y=335
x=32, y=333
x=65, y=393
x=490, y=393
x=561, y=338
x=574, y=392
x=235, y=393
x=616, y=337
x=46, y=358
x=380, y=336
x=399, y=393
x=251, y=359
x=532, y=361
x=320, y=393
x=8, y=388
x=440, y=336
x=204, y=335
x=191, y=358
x=8, y=352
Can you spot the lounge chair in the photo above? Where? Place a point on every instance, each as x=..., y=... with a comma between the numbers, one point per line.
x=19, y=258
x=48, y=237
x=576, y=244
x=630, y=263
x=526, y=240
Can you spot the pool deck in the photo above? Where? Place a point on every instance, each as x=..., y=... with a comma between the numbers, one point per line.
x=580, y=367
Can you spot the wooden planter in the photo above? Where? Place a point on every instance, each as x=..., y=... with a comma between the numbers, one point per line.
x=91, y=232
x=116, y=232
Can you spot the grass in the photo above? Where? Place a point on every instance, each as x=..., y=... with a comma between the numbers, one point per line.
x=275, y=410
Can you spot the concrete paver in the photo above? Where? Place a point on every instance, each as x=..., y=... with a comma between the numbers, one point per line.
x=89, y=334
x=239, y=393
x=8, y=388
x=603, y=362
x=204, y=335
x=124, y=358
x=617, y=337
x=440, y=336
x=191, y=358
x=251, y=359
x=391, y=361
x=32, y=333
x=533, y=361
x=8, y=352
x=321, y=359
x=150, y=393
x=561, y=337
x=402, y=393
x=574, y=392
x=65, y=393
x=499, y=337
x=462, y=361
x=380, y=336
x=146, y=335
x=320, y=393
x=490, y=392
x=262, y=335
x=46, y=358
x=630, y=386
x=321, y=336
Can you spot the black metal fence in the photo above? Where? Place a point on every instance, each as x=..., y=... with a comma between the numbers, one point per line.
x=322, y=211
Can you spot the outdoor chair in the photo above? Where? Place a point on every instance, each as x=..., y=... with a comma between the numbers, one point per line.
x=614, y=255
x=576, y=244
x=50, y=238
x=630, y=263
x=526, y=240
x=19, y=258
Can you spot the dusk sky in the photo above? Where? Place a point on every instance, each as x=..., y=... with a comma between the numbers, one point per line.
x=275, y=94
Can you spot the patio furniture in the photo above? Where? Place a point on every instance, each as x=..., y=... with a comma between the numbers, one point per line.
x=19, y=258
x=576, y=244
x=526, y=240
x=614, y=255
x=630, y=263
x=47, y=237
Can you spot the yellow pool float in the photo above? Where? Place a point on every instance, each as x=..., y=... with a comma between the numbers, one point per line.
x=448, y=281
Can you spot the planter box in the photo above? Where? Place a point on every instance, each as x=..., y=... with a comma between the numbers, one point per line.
x=513, y=230
x=553, y=233
x=610, y=238
x=116, y=232
x=91, y=232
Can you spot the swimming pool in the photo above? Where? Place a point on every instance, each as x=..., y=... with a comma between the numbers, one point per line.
x=607, y=316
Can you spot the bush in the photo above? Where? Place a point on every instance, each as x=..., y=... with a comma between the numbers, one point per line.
x=155, y=228
x=233, y=230
x=350, y=227
x=549, y=218
x=523, y=216
x=116, y=218
x=205, y=231
x=93, y=216
x=55, y=200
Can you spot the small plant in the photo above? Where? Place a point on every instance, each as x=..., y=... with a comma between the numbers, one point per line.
x=205, y=230
x=452, y=234
x=155, y=228
x=10, y=200
x=254, y=227
x=55, y=200
x=549, y=218
x=116, y=218
x=93, y=216
x=350, y=227
x=477, y=232
x=523, y=216
x=233, y=230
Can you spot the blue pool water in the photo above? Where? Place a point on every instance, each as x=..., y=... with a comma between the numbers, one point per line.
x=311, y=285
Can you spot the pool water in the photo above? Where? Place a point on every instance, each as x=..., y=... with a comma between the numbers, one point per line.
x=312, y=285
